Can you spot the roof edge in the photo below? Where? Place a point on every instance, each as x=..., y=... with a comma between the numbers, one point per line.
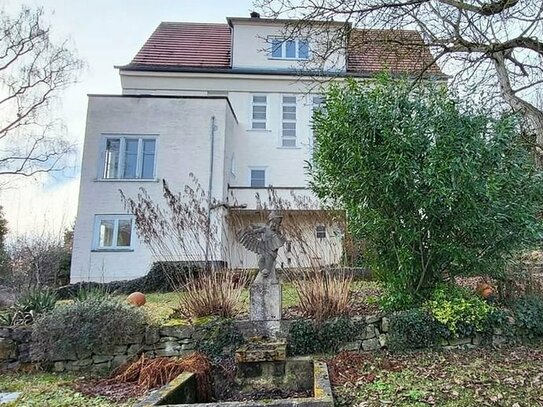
x=245, y=71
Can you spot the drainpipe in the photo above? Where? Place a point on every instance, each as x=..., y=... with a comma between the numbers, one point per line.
x=209, y=190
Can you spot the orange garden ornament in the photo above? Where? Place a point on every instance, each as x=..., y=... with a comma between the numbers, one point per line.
x=137, y=299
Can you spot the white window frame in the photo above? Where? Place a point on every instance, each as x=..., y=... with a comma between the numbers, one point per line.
x=116, y=218
x=265, y=176
x=284, y=41
x=122, y=152
x=251, y=112
x=320, y=229
x=290, y=121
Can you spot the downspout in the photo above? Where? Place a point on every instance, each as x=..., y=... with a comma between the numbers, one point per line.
x=209, y=190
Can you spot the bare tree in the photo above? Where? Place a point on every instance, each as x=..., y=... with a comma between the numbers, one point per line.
x=486, y=44
x=34, y=70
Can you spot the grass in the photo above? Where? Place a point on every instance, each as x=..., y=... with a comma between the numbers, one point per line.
x=161, y=306
x=48, y=390
x=510, y=376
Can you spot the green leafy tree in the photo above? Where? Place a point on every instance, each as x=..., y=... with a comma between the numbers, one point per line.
x=435, y=189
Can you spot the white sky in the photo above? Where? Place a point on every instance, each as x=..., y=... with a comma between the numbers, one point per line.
x=105, y=33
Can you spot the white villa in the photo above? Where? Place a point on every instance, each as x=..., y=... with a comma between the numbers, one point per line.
x=230, y=103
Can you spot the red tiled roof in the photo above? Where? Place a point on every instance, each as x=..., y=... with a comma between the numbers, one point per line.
x=392, y=50
x=187, y=45
x=205, y=45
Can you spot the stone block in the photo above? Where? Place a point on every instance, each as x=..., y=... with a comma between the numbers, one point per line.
x=120, y=349
x=119, y=360
x=499, y=340
x=84, y=353
x=168, y=352
x=8, y=349
x=370, y=332
x=179, y=332
x=351, y=346
x=383, y=340
x=372, y=319
x=97, y=359
x=152, y=335
x=385, y=324
x=82, y=362
x=133, y=349
x=371, y=344
x=459, y=342
x=188, y=346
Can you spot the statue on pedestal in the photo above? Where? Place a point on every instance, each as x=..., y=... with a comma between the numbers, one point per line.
x=265, y=292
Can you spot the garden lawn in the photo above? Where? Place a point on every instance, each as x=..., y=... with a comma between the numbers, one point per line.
x=161, y=306
x=49, y=390
x=509, y=376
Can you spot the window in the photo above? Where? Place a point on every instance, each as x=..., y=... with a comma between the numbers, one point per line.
x=129, y=158
x=113, y=232
x=288, y=125
x=320, y=231
x=259, y=110
x=282, y=48
x=258, y=178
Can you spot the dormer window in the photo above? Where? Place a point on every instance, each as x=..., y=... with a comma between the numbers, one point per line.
x=282, y=48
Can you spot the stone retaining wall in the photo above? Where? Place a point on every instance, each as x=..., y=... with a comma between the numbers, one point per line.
x=375, y=336
x=15, y=344
x=14, y=347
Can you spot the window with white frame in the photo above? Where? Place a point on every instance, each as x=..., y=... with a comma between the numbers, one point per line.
x=288, y=124
x=320, y=231
x=285, y=48
x=113, y=232
x=259, y=112
x=128, y=157
x=258, y=178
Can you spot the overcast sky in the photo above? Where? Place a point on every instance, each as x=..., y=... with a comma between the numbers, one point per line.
x=105, y=33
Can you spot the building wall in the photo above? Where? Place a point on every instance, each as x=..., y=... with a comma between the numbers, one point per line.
x=285, y=167
x=251, y=48
x=183, y=129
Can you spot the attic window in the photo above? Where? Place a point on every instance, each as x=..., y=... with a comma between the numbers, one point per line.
x=282, y=48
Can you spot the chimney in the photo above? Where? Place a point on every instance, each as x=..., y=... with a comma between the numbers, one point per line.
x=254, y=14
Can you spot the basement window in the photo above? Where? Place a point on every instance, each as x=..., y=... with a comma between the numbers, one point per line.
x=113, y=232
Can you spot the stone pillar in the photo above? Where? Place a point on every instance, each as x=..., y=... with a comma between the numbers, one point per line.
x=265, y=307
x=265, y=298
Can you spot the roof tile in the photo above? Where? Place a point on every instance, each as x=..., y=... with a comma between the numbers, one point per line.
x=208, y=45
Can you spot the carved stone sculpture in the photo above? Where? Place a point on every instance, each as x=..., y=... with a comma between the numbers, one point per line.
x=265, y=292
x=265, y=241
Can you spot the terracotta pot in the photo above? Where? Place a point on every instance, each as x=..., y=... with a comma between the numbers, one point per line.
x=485, y=290
x=137, y=299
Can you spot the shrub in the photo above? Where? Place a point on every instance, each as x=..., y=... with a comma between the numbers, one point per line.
x=307, y=337
x=414, y=329
x=433, y=186
x=460, y=311
x=528, y=313
x=212, y=293
x=29, y=306
x=84, y=327
x=323, y=294
x=88, y=293
x=219, y=336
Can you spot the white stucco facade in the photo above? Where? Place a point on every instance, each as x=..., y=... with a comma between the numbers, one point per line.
x=176, y=108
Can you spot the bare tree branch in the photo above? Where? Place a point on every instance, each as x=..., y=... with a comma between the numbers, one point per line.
x=34, y=71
